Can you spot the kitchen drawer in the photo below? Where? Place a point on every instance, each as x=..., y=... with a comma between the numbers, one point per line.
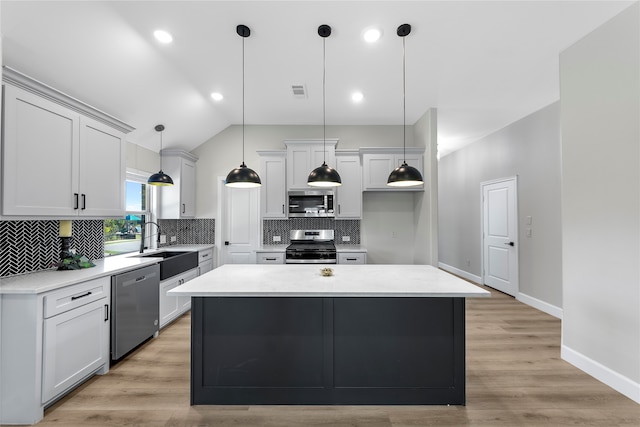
x=352, y=258
x=205, y=255
x=75, y=296
x=270, y=257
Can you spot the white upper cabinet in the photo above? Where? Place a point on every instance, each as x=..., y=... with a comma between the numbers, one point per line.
x=349, y=194
x=57, y=161
x=273, y=193
x=102, y=170
x=377, y=164
x=305, y=155
x=179, y=200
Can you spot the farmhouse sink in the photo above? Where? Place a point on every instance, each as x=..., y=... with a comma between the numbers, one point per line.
x=173, y=262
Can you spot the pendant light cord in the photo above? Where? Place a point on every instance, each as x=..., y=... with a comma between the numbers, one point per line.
x=404, y=105
x=324, y=108
x=243, y=100
x=160, y=151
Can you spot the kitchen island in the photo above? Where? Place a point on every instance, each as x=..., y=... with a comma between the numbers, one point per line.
x=369, y=334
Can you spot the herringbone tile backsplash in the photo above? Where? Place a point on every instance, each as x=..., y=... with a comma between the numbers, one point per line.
x=27, y=246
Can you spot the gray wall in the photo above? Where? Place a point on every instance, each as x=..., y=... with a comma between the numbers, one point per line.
x=600, y=93
x=530, y=149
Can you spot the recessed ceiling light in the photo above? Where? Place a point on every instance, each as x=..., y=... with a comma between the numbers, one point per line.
x=372, y=34
x=163, y=36
x=217, y=96
x=357, y=97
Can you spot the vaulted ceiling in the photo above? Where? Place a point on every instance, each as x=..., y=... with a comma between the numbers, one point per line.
x=482, y=64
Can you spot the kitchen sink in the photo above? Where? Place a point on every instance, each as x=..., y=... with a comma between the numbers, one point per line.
x=173, y=262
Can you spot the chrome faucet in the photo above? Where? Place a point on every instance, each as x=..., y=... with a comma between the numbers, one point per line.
x=142, y=233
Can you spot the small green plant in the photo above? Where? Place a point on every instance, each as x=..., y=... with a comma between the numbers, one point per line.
x=75, y=262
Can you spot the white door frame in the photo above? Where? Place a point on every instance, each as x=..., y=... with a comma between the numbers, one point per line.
x=218, y=225
x=517, y=232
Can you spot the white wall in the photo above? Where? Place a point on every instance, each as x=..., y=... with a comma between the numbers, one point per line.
x=600, y=93
x=530, y=149
x=426, y=203
x=142, y=159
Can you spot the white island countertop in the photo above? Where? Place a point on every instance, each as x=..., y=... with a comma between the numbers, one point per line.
x=305, y=280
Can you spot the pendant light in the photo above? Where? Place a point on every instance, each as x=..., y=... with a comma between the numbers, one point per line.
x=160, y=178
x=404, y=175
x=324, y=176
x=242, y=176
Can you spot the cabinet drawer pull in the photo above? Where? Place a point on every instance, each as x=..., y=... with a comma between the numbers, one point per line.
x=205, y=255
x=75, y=200
x=75, y=297
x=106, y=312
x=271, y=259
x=352, y=259
x=140, y=278
x=84, y=201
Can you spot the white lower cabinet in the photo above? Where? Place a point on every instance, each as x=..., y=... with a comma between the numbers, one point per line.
x=270, y=257
x=173, y=306
x=205, y=261
x=352, y=257
x=205, y=267
x=76, y=343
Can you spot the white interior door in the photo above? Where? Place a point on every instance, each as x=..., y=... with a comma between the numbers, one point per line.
x=500, y=235
x=241, y=225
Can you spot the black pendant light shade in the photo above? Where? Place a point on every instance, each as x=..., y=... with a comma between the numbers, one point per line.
x=404, y=175
x=160, y=178
x=324, y=176
x=242, y=176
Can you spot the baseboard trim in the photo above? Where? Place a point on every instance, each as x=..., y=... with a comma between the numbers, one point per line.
x=600, y=372
x=461, y=273
x=540, y=305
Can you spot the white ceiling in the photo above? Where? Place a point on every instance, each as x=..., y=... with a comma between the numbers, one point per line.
x=483, y=64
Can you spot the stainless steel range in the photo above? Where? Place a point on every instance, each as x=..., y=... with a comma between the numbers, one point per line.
x=311, y=247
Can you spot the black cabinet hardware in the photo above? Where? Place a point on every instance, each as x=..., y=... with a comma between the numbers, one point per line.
x=80, y=296
x=75, y=200
x=106, y=312
x=84, y=201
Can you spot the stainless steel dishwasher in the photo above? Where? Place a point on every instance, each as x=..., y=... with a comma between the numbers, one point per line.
x=134, y=308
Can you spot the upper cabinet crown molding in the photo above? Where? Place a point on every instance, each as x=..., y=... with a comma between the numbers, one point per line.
x=177, y=152
x=16, y=78
x=391, y=150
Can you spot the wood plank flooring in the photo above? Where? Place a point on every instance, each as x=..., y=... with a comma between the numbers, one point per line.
x=515, y=377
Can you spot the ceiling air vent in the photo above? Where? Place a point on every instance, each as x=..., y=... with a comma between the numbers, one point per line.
x=299, y=91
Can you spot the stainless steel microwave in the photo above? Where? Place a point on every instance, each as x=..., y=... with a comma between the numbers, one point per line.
x=311, y=203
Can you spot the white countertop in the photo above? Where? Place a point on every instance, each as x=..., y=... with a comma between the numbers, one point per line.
x=350, y=248
x=282, y=248
x=305, y=280
x=49, y=280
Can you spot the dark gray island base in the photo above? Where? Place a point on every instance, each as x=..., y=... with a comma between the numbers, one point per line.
x=328, y=350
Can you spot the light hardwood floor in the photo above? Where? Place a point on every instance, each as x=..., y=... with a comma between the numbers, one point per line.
x=515, y=377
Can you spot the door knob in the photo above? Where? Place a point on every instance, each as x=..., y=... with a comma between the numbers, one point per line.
x=510, y=244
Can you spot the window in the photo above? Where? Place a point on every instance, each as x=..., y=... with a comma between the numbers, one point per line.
x=123, y=235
